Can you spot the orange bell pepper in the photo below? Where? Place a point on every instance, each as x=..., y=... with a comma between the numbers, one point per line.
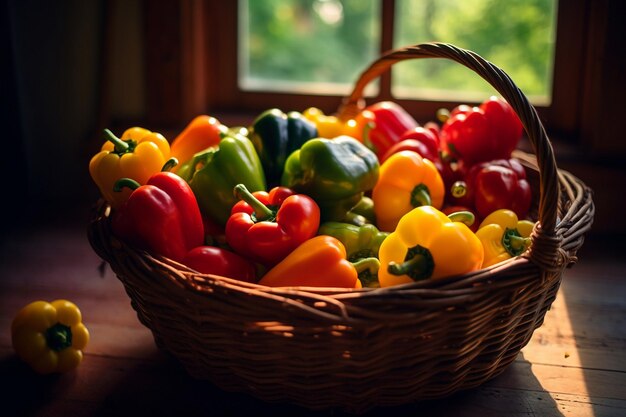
x=318, y=262
x=406, y=181
x=201, y=133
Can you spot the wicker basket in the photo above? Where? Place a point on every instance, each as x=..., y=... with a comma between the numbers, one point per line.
x=357, y=349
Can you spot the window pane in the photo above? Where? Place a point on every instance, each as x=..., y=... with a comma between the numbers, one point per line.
x=309, y=46
x=516, y=35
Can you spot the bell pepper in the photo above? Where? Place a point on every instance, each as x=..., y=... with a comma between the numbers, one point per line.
x=334, y=172
x=138, y=154
x=161, y=217
x=427, y=244
x=503, y=236
x=267, y=235
x=489, y=186
x=220, y=261
x=362, y=212
x=330, y=126
x=478, y=134
x=360, y=242
x=275, y=136
x=201, y=133
x=406, y=181
x=420, y=140
x=49, y=337
x=214, y=173
x=388, y=121
x=318, y=262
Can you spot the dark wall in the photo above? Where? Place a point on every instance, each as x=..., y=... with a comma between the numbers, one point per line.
x=52, y=61
x=63, y=81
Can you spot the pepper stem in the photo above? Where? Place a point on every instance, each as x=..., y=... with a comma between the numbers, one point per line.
x=418, y=264
x=59, y=337
x=367, y=271
x=125, y=182
x=442, y=114
x=513, y=242
x=458, y=189
x=120, y=145
x=370, y=264
x=169, y=164
x=261, y=211
x=466, y=217
x=420, y=196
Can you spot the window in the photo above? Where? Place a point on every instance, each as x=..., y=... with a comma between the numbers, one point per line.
x=576, y=39
x=314, y=47
x=320, y=46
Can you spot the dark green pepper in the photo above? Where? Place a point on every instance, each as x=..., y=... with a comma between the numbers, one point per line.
x=275, y=136
x=334, y=172
x=213, y=174
x=360, y=242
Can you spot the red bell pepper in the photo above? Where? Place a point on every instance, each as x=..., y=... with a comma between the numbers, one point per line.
x=420, y=140
x=489, y=186
x=220, y=261
x=388, y=121
x=266, y=227
x=433, y=127
x=477, y=134
x=161, y=216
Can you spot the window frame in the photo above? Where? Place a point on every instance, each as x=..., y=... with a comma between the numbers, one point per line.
x=205, y=49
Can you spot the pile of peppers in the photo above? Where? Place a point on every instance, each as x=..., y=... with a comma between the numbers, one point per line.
x=309, y=199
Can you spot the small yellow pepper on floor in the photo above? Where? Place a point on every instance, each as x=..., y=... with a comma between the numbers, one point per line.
x=50, y=337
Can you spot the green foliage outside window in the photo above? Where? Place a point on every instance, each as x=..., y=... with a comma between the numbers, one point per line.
x=516, y=35
x=294, y=42
x=308, y=40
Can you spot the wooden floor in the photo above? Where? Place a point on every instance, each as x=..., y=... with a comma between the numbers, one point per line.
x=575, y=364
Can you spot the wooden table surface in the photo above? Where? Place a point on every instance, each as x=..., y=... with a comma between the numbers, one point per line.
x=575, y=364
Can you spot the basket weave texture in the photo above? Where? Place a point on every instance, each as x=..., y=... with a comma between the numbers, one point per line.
x=324, y=348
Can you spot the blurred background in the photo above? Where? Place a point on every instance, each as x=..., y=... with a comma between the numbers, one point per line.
x=74, y=67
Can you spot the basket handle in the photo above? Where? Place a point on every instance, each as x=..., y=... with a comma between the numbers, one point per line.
x=549, y=190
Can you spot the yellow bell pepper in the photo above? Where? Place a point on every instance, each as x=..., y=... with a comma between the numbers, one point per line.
x=503, y=236
x=138, y=154
x=319, y=262
x=427, y=244
x=406, y=181
x=329, y=126
x=49, y=337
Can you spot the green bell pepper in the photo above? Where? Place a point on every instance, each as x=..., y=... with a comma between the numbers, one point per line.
x=362, y=212
x=360, y=242
x=275, y=136
x=214, y=172
x=334, y=172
